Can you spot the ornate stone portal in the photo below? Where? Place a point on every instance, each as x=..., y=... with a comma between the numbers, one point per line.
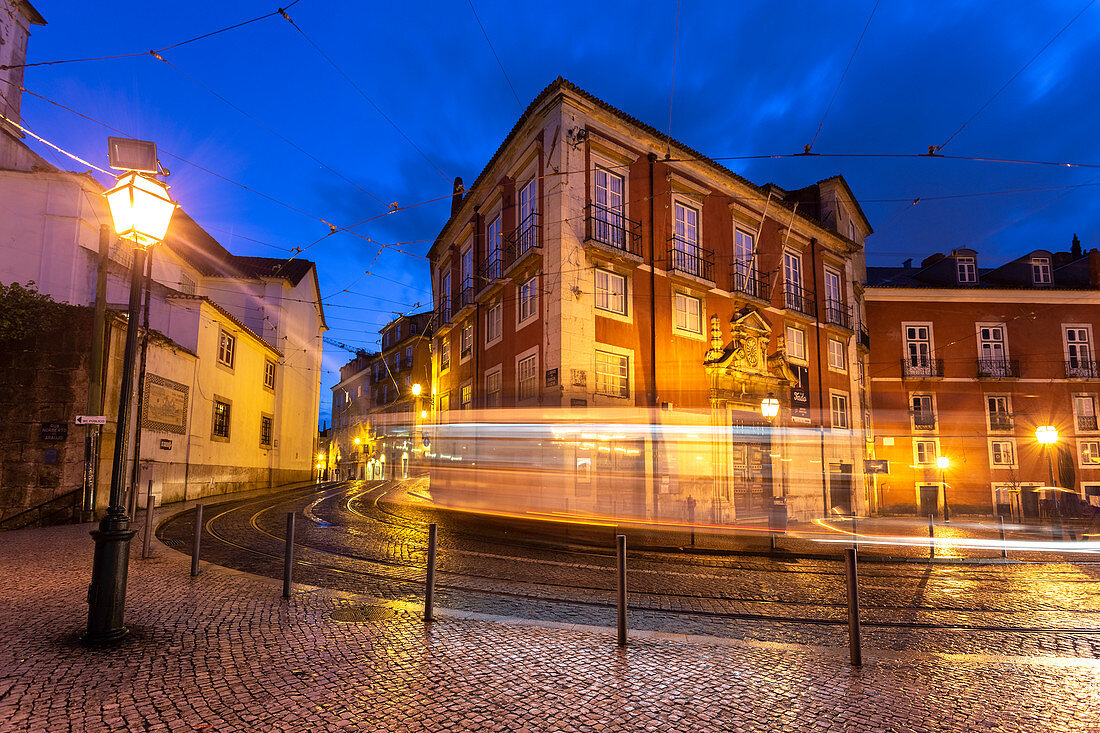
x=742, y=373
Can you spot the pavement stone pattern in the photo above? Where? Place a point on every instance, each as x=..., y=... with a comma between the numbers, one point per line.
x=367, y=539
x=222, y=652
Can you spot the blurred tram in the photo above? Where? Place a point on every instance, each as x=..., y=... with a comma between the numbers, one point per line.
x=600, y=463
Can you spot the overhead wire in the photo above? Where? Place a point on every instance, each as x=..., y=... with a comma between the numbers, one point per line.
x=672, y=83
x=842, y=76
x=491, y=48
x=143, y=53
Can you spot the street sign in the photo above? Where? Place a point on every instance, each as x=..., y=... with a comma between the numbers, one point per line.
x=91, y=419
x=876, y=466
x=53, y=432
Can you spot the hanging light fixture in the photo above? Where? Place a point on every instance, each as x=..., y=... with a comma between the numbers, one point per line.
x=769, y=406
x=141, y=209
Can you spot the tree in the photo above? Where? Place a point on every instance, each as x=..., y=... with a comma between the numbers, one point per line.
x=24, y=312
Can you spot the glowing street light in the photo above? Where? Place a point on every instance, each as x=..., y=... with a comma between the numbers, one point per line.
x=141, y=210
x=356, y=441
x=416, y=388
x=769, y=406
x=423, y=414
x=943, y=463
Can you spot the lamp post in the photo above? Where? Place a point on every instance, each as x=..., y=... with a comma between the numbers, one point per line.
x=141, y=210
x=1047, y=436
x=943, y=463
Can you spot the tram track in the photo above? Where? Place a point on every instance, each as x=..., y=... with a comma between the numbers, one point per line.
x=520, y=589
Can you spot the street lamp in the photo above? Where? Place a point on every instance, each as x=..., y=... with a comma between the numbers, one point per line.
x=943, y=463
x=769, y=406
x=416, y=388
x=141, y=210
x=1047, y=435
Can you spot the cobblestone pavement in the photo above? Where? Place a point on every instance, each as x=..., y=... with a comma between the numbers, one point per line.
x=368, y=538
x=222, y=652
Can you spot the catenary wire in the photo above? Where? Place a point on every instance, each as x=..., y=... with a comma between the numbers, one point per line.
x=491, y=48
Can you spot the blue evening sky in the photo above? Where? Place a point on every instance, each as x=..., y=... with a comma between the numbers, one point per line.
x=750, y=78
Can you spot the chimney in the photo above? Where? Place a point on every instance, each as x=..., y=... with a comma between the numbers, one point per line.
x=456, y=198
x=908, y=264
x=16, y=20
x=1094, y=268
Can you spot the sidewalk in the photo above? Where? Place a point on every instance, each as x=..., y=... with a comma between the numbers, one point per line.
x=222, y=652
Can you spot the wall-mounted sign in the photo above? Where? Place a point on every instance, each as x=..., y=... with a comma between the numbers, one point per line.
x=552, y=377
x=165, y=407
x=91, y=420
x=876, y=466
x=800, y=395
x=166, y=444
x=53, y=432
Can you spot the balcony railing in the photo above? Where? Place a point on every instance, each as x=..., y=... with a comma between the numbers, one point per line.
x=443, y=311
x=799, y=299
x=924, y=420
x=1081, y=369
x=864, y=336
x=691, y=259
x=1000, y=421
x=1086, y=422
x=921, y=367
x=465, y=295
x=838, y=314
x=750, y=282
x=998, y=369
x=522, y=240
x=610, y=228
x=491, y=268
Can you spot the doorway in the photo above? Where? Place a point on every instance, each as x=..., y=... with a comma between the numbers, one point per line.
x=840, y=488
x=929, y=499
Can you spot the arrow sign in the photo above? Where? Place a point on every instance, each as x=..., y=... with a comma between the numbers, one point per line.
x=91, y=419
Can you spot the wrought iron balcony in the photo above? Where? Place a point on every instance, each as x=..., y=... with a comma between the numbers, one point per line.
x=864, y=336
x=465, y=295
x=608, y=227
x=1081, y=369
x=921, y=367
x=750, y=282
x=491, y=268
x=443, y=311
x=523, y=239
x=799, y=299
x=691, y=259
x=998, y=369
x=1086, y=422
x=838, y=314
x=924, y=420
x=1000, y=421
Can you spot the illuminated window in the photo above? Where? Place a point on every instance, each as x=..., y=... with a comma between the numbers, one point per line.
x=467, y=340
x=837, y=359
x=924, y=452
x=688, y=313
x=467, y=396
x=445, y=354
x=227, y=345
x=267, y=427
x=221, y=419
x=610, y=292
x=493, y=321
x=796, y=343
x=269, y=374
x=612, y=374
x=492, y=388
x=528, y=377
x=528, y=300
x=840, y=411
x=1089, y=451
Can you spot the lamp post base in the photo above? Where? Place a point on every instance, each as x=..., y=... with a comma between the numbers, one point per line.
x=107, y=592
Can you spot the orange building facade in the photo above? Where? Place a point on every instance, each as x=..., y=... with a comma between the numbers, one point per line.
x=597, y=265
x=966, y=363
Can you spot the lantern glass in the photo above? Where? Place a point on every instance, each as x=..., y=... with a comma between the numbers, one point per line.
x=1046, y=434
x=943, y=462
x=769, y=406
x=416, y=389
x=141, y=209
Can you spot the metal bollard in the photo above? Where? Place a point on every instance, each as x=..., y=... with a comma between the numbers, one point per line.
x=853, y=607
x=772, y=535
x=147, y=542
x=288, y=562
x=1004, y=547
x=621, y=541
x=931, y=538
x=855, y=533
x=197, y=544
x=429, y=579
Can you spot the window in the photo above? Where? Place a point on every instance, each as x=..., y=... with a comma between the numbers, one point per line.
x=528, y=218
x=792, y=282
x=743, y=251
x=492, y=388
x=467, y=343
x=526, y=370
x=409, y=356
x=1084, y=410
x=1002, y=453
x=1089, y=452
x=924, y=415
x=840, y=411
x=221, y=419
x=267, y=427
x=1000, y=418
x=528, y=300
x=796, y=343
x=612, y=374
x=466, y=262
x=924, y=452
x=688, y=312
x=1078, y=345
x=227, y=345
x=833, y=301
x=918, y=349
x=187, y=285
x=608, y=209
x=966, y=268
x=467, y=396
x=492, y=250
x=445, y=402
x=269, y=374
x=837, y=357
x=493, y=322
x=685, y=240
x=445, y=354
x=991, y=350
x=610, y=292
x=1040, y=270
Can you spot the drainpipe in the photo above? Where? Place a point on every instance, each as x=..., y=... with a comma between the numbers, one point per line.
x=655, y=457
x=820, y=384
